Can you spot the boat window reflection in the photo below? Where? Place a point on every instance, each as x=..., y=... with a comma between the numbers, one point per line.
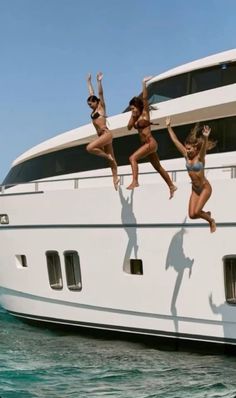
x=76, y=159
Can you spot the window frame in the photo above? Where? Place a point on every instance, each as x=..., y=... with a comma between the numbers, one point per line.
x=135, y=265
x=77, y=276
x=56, y=271
x=229, y=300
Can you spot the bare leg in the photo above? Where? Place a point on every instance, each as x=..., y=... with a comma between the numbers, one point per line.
x=140, y=153
x=109, y=150
x=197, y=203
x=96, y=146
x=154, y=160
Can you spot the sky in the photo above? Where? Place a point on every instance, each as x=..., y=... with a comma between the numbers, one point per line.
x=47, y=48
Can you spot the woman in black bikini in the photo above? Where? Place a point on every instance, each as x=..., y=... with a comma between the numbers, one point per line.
x=140, y=119
x=194, y=151
x=101, y=146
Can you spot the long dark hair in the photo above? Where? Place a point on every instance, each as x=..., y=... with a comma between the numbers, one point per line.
x=93, y=98
x=137, y=102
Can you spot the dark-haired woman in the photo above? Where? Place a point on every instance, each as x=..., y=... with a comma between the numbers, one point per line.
x=140, y=119
x=194, y=151
x=101, y=146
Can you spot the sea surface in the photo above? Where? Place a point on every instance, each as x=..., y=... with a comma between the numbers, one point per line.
x=39, y=362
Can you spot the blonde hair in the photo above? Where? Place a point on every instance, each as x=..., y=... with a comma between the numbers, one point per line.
x=195, y=138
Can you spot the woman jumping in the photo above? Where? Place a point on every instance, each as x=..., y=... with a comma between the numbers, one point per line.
x=194, y=151
x=101, y=146
x=140, y=119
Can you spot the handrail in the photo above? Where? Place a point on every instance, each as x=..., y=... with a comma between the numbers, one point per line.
x=77, y=179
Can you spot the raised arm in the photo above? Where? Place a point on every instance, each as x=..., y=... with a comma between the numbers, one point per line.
x=174, y=138
x=100, y=89
x=145, y=97
x=205, y=134
x=89, y=83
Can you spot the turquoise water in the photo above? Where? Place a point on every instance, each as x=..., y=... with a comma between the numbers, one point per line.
x=37, y=362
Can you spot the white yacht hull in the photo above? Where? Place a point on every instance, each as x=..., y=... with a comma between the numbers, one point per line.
x=181, y=293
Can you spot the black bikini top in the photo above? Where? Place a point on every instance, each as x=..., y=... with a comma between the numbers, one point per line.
x=95, y=115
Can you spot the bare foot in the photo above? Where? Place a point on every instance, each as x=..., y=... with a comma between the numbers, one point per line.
x=133, y=185
x=212, y=225
x=116, y=182
x=173, y=188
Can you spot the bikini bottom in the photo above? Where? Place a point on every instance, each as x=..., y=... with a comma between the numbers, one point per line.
x=198, y=189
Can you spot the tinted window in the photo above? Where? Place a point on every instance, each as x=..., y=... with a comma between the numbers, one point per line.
x=77, y=159
x=205, y=79
x=73, y=272
x=54, y=269
x=192, y=82
x=167, y=89
x=228, y=73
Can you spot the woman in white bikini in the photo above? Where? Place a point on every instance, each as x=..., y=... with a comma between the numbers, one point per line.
x=101, y=146
x=194, y=151
x=140, y=119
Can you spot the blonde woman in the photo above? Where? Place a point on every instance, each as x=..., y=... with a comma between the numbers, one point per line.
x=194, y=151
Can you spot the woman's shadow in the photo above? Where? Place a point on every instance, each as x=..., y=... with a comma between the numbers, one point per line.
x=177, y=259
x=129, y=222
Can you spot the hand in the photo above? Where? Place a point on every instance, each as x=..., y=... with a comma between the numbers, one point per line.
x=147, y=78
x=206, y=131
x=89, y=77
x=99, y=76
x=168, y=121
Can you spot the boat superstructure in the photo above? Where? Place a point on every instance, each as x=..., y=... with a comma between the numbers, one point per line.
x=76, y=252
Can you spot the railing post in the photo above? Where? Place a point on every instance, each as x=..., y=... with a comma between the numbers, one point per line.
x=2, y=189
x=36, y=186
x=76, y=183
x=233, y=172
x=173, y=176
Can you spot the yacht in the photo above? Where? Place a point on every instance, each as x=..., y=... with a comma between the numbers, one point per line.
x=77, y=253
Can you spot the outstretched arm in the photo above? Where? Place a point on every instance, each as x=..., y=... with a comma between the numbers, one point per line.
x=100, y=89
x=89, y=83
x=205, y=133
x=174, y=138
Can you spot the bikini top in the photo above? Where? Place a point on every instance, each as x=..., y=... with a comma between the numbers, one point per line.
x=95, y=115
x=142, y=123
x=198, y=166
